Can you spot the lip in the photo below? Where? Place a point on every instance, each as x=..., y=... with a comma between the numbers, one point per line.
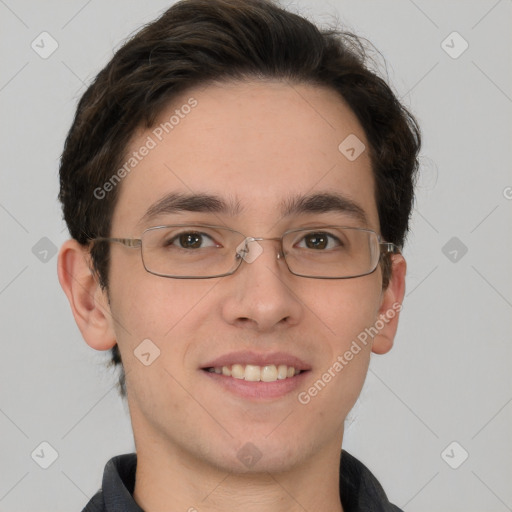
x=258, y=359
x=257, y=391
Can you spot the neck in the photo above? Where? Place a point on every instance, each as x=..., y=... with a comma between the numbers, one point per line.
x=171, y=481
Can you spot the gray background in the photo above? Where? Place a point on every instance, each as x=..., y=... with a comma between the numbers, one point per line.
x=448, y=377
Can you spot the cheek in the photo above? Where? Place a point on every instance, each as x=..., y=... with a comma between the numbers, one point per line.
x=346, y=307
x=152, y=317
x=336, y=384
x=344, y=312
x=145, y=305
x=158, y=316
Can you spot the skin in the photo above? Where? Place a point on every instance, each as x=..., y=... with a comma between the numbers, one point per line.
x=257, y=141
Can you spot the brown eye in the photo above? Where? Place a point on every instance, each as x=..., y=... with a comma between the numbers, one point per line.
x=190, y=240
x=316, y=241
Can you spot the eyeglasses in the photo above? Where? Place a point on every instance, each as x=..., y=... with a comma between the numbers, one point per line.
x=184, y=251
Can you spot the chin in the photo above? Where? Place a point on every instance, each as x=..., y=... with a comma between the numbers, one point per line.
x=262, y=454
x=260, y=462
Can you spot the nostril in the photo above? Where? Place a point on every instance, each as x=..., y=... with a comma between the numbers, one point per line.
x=244, y=322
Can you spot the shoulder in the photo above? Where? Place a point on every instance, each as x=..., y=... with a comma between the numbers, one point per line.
x=96, y=504
x=117, y=487
x=359, y=489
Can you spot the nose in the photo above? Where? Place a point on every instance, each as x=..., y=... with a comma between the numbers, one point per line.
x=261, y=293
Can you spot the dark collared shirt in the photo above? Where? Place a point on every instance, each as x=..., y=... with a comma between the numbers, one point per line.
x=359, y=489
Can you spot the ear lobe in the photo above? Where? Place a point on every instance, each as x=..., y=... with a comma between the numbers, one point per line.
x=389, y=311
x=89, y=303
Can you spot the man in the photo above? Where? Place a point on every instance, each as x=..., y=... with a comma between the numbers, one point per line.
x=238, y=186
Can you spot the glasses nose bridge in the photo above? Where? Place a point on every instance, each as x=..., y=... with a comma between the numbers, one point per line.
x=250, y=239
x=259, y=238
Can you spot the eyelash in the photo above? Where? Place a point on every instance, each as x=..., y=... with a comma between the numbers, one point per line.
x=185, y=233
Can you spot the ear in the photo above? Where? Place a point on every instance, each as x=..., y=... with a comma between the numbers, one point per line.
x=390, y=307
x=89, y=303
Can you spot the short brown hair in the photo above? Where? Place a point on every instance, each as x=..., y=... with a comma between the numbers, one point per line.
x=198, y=41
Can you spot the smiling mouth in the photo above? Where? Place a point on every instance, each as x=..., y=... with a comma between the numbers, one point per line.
x=254, y=373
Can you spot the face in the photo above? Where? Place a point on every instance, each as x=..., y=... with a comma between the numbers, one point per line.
x=258, y=145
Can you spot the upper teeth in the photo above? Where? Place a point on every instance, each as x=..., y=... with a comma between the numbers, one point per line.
x=250, y=372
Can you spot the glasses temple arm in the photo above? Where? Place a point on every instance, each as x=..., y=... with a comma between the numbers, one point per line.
x=127, y=242
x=389, y=247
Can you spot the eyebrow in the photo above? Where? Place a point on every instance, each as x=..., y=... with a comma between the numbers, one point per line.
x=323, y=202
x=178, y=202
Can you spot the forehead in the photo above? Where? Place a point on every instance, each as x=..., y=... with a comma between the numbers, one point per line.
x=258, y=145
